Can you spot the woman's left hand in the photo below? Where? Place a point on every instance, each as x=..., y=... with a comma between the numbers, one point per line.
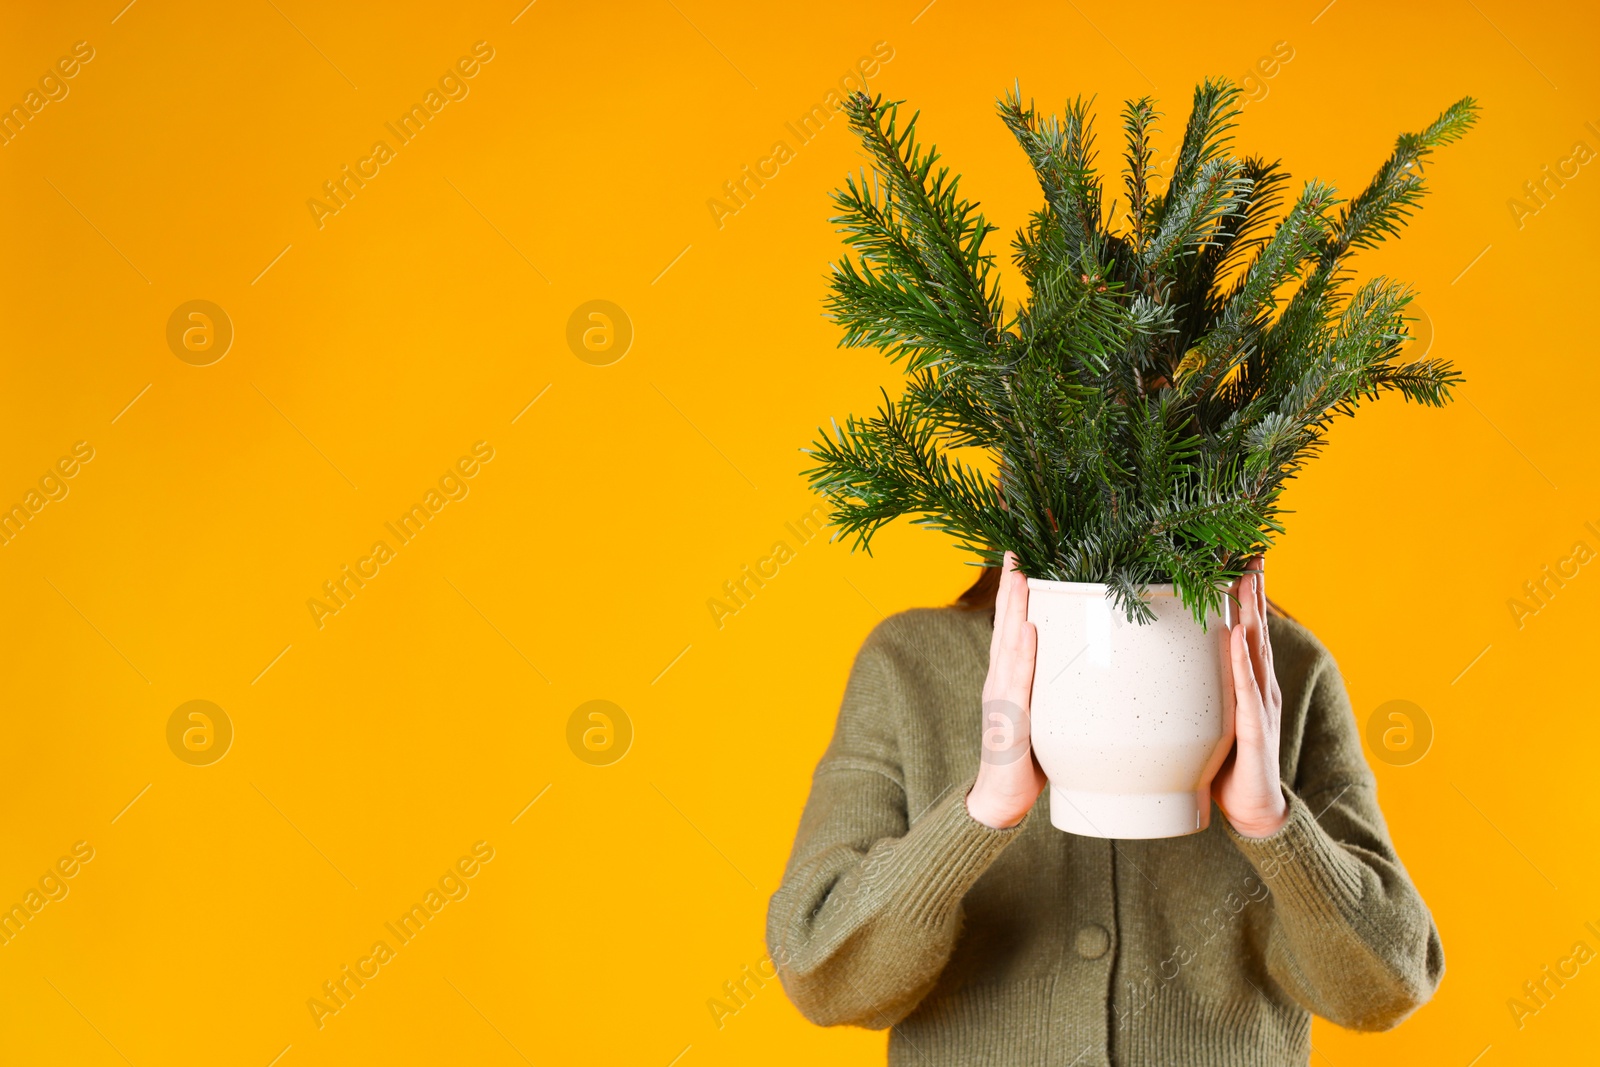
x=1247, y=787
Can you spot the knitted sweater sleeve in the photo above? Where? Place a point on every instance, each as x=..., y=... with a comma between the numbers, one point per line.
x=1350, y=938
x=869, y=908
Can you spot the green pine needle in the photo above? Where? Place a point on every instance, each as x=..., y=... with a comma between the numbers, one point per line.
x=1171, y=370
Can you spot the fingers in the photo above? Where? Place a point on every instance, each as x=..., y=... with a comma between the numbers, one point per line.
x=1004, y=610
x=1260, y=577
x=1253, y=616
x=1246, y=693
x=1001, y=591
x=1024, y=652
x=1016, y=587
x=1010, y=616
x=1249, y=593
x=1015, y=642
x=1020, y=638
x=1001, y=597
x=1007, y=786
x=1236, y=594
x=1261, y=652
x=1018, y=600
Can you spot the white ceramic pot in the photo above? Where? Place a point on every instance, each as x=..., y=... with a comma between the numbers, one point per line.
x=1130, y=721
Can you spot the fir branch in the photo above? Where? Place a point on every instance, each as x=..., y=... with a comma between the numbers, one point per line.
x=1139, y=126
x=1148, y=403
x=943, y=231
x=1208, y=133
x=1394, y=192
x=1061, y=151
x=1193, y=219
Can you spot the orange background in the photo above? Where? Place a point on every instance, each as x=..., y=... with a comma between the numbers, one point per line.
x=425, y=316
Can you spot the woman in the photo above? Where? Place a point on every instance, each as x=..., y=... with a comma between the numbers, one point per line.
x=925, y=895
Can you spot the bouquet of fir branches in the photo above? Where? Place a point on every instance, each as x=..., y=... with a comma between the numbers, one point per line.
x=1180, y=354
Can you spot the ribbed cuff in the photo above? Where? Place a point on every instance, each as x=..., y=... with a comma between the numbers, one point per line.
x=1303, y=865
x=930, y=869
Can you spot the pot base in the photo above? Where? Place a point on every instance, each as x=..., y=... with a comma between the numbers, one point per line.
x=1129, y=816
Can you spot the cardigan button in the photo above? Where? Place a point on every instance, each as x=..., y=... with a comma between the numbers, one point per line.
x=1092, y=941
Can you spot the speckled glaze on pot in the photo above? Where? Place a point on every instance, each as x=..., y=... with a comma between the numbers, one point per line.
x=1130, y=722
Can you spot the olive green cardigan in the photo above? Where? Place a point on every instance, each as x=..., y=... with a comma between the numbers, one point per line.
x=1031, y=946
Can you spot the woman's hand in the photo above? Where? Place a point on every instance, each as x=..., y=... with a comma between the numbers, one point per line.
x=1009, y=778
x=1247, y=787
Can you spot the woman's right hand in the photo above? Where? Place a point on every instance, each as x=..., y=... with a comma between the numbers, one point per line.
x=1009, y=778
